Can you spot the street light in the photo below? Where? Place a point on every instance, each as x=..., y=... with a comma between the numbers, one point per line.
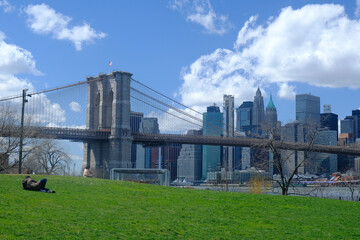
x=24, y=100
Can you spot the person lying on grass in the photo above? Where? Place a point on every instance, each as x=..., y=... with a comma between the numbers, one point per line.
x=32, y=185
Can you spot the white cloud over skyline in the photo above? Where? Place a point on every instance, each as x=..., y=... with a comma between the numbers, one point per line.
x=316, y=45
x=42, y=19
x=201, y=12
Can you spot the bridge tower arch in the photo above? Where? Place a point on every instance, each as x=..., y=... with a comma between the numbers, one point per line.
x=108, y=109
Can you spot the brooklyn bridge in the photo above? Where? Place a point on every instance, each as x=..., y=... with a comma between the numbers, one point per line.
x=104, y=125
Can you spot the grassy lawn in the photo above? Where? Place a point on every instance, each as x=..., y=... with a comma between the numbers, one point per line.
x=85, y=208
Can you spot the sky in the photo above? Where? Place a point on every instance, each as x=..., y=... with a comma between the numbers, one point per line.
x=192, y=50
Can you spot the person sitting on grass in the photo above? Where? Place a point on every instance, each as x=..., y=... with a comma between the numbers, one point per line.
x=87, y=172
x=32, y=185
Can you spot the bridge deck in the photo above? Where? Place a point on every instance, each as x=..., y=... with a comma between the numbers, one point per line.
x=84, y=135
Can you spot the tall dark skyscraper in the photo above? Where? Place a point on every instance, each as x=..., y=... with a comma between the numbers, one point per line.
x=308, y=109
x=212, y=126
x=356, y=116
x=244, y=116
x=329, y=121
x=271, y=113
x=258, y=109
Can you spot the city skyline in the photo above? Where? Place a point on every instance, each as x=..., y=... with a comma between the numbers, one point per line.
x=194, y=51
x=37, y=38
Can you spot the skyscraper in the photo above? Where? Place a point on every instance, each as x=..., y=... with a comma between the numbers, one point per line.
x=356, y=116
x=271, y=113
x=308, y=109
x=190, y=159
x=324, y=163
x=228, y=152
x=212, y=126
x=244, y=117
x=328, y=119
x=258, y=110
x=143, y=155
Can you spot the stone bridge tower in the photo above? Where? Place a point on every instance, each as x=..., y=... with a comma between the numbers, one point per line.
x=108, y=109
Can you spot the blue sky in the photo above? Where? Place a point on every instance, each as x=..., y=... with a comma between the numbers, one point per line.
x=192, y=50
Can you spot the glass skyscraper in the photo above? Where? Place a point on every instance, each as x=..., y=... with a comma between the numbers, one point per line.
x=212, y=126
x=244, y=117
x=308, y=109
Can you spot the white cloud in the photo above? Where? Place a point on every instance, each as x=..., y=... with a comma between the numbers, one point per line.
x=212, y=76
x=74, y=106
x=316, y=44
x=286, y=91
x=14, y=60
x=7, y=7
x=42, y=19
x=201, y=12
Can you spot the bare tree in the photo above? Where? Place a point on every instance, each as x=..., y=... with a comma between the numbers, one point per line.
x=50, y=158
x=287, y=162
x=10, y=137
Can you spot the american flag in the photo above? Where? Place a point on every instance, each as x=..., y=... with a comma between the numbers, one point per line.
x=110, y=63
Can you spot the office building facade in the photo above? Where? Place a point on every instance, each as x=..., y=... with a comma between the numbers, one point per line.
x=244, y=115
x=212, y=126
x=229, y=130
x=189, y=162
x=308, y=109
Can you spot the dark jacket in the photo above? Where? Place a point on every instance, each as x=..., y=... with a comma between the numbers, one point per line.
x=30, y=184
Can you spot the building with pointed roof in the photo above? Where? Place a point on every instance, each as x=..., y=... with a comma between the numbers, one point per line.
x=258, y=109
x=271, y=113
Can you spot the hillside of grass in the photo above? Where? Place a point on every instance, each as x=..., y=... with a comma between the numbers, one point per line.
x=86, y=208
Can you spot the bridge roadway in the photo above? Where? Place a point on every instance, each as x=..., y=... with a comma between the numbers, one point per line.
x=150, y=139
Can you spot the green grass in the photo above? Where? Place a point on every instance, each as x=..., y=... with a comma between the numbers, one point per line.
x=85, y=208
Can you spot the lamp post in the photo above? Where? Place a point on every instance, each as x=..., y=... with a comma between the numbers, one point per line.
x=22, y=126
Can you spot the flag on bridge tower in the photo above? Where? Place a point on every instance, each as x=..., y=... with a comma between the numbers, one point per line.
x=110, y=63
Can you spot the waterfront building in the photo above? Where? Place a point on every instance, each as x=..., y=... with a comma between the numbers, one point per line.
x=189, y=161
x=229, y=130
x=135, y=120
x=308, y=109
x=212, y=126
x=324, y=163
x=293, y=132
x=143, y=154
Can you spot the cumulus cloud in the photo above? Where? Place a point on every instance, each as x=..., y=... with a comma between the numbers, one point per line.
x=7, y=7
x=75, y=106
x=201, y=12
x=316, y=45
x=286, y=91
x=42, y=19
x=212, y=76
x=14, y=60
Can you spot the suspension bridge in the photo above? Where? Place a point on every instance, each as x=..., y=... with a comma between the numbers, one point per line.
x=107, y=114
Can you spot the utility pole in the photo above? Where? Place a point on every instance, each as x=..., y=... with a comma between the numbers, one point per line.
x=22, y=127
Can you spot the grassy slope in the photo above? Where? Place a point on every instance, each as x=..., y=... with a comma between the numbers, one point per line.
x=84, y=208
